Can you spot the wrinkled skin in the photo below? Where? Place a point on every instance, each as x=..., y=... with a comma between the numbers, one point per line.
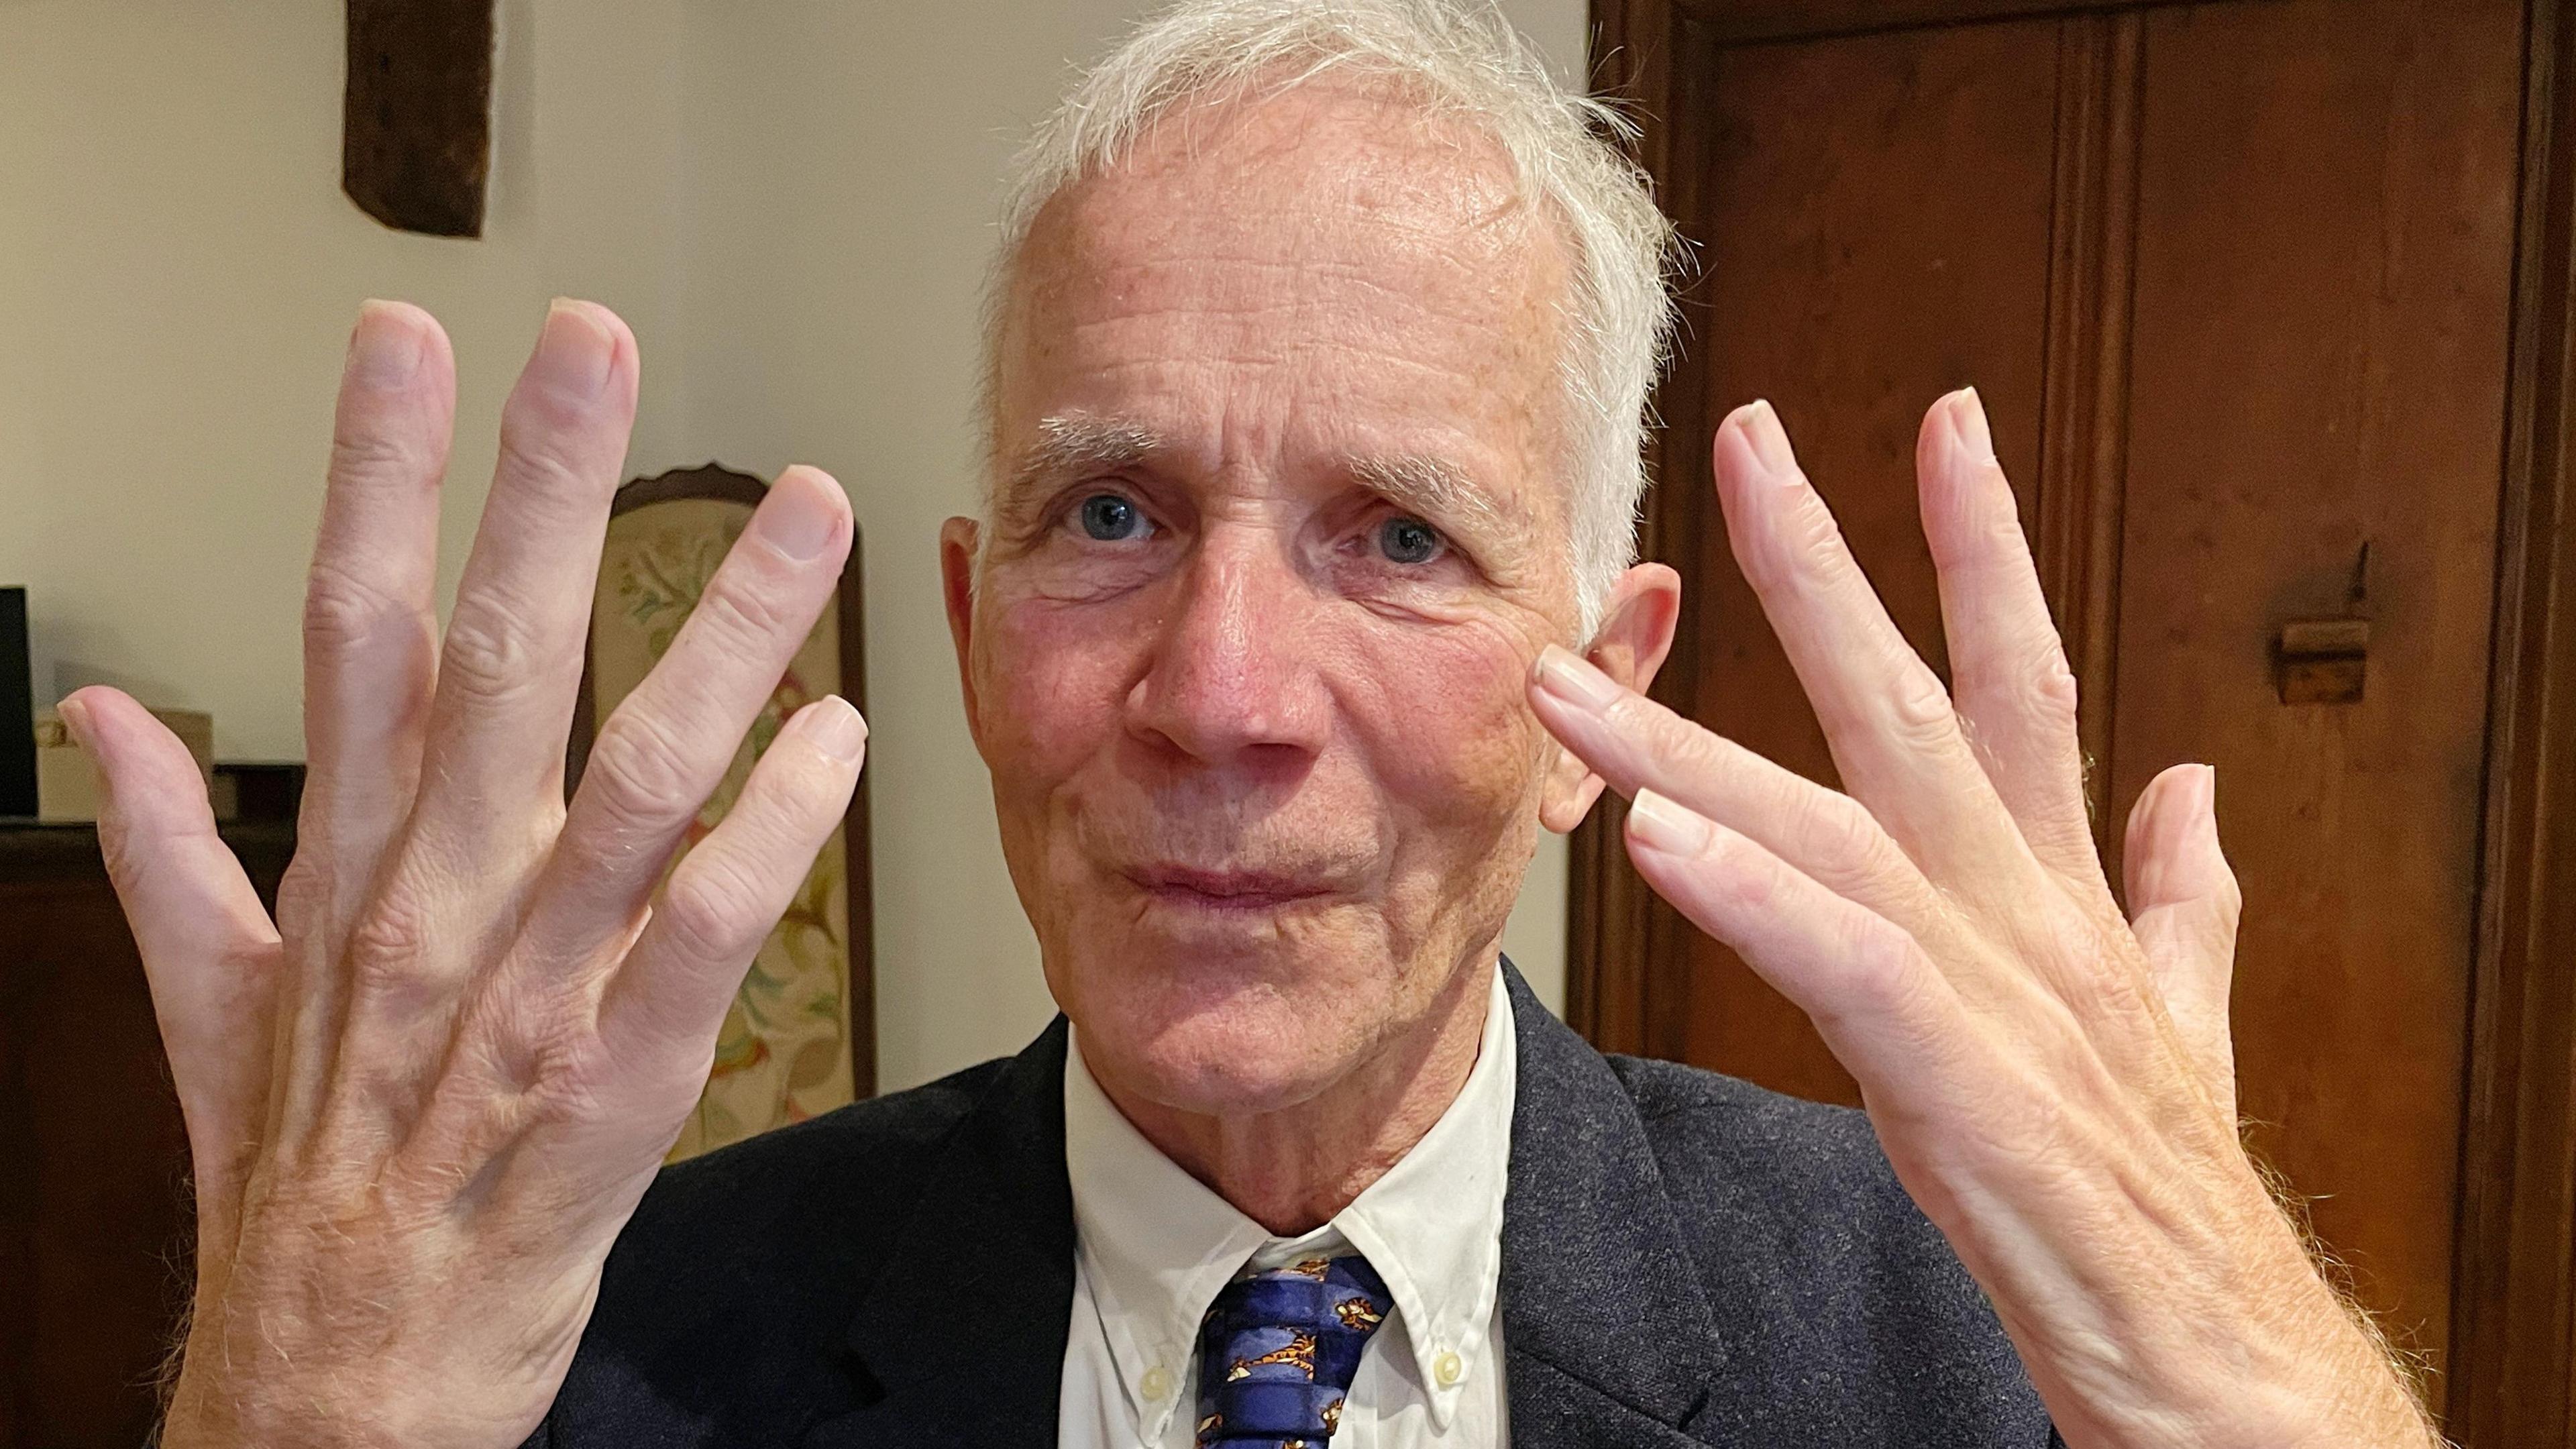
x=1268, y=787
x=1264, y=645
x=422, y=1101
x=2052, y=1077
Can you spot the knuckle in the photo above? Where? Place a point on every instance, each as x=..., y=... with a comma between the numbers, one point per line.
x=1684, y=741
x=1878, y=964
x=342, y=608
x=543, y=444
x=303, y=893
x=1804, y=545
x=742, y=611
x=116, y=849
x=2052, y=683
x=713, y=909
x=542, y=1035
x=1841, y=833
x=491, y=655
x=1919, y=709
x=1666, y=734
x=1748, y=877
x=359, y=455
x=389, y=941
x=2231, y=899
x=639, y=775
x=797, y=784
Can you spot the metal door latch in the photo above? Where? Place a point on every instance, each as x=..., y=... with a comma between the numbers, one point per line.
x=2327, y=661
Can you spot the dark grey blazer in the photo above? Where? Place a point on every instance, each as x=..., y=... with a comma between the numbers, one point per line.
x=1686, y=1260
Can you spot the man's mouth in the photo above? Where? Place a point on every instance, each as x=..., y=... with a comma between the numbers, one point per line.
x=1226, y=890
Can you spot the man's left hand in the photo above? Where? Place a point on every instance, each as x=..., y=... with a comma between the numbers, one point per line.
x=2052, y=1078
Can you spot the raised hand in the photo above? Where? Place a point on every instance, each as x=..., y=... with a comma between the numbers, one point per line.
x=423, y=1101
x=2052, y=1080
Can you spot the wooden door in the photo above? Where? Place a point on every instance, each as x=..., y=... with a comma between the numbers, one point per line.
x=2238, y=281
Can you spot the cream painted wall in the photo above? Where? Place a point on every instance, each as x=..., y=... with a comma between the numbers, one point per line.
x=178, y=271
x=790, y=200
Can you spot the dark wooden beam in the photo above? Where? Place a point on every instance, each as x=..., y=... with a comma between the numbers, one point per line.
x=416, y=128
x=1736, y=21
x=2513, y=1312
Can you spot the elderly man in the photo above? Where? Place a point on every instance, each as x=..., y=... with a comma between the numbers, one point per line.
x=1302, y=600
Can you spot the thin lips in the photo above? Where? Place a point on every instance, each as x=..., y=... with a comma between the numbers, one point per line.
x=1246, y=887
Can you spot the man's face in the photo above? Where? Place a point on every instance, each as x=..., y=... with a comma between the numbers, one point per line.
x=1279, y=524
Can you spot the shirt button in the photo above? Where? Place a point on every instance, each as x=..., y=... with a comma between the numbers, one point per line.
x=1448, y=1368
x=1157, y=1384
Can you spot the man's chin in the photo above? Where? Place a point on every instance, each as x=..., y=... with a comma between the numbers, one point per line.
x=1224, y=1047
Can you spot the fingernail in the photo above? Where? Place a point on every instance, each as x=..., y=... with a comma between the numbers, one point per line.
x=797, y=519
x=1968, y=424
x=835, y=728
x=2208, y=791
x=1572, y=678
x=574, y=352
x=383, y=351
x=1665, y=826
x=1770, y=441
x=74, y=713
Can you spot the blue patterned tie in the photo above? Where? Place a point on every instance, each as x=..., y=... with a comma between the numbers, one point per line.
x=1277, y=1351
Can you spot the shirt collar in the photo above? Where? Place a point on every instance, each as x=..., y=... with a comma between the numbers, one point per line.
x=1156, y=1244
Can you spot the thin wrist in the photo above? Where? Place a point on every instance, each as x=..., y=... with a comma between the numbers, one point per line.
x=2239, y=1342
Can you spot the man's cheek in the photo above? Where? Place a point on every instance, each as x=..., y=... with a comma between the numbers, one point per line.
x=1052, y=682
x=1454, y=736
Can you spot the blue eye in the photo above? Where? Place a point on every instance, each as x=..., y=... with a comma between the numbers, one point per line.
x=1408, y=541
x=1111, y=519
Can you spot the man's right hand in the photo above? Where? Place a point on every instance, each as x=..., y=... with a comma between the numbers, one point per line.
x=423, y=1102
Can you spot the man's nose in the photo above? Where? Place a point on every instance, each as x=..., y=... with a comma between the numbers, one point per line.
x=1235, y=674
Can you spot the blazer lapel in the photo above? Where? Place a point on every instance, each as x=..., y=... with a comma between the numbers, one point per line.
x=964, y=1332
x=1611, y=1341
x=1609, y=1336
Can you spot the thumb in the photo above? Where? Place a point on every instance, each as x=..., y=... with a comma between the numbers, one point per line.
x=208, y=947
x=2183, y=908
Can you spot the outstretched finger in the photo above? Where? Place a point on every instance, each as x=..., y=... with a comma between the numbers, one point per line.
x=209, y=952
x=1895, y=738
x=661, y=1010
x=370, y=603
x=1633, y=743
x=1877, y=999
x=511, y=662
x=2008, y=670
x=667, y=745
x=2184, y=903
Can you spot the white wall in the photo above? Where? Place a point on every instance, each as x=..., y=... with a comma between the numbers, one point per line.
x=790, y=200
x=178, y=271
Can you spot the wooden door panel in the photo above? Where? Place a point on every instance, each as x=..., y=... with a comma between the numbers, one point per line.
x=2309, y=286
x=2326, y=217
x=2242, y=271
x=1876, y=232
x=1743, y=20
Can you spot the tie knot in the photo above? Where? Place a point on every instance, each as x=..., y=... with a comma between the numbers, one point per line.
x=1277, y=1352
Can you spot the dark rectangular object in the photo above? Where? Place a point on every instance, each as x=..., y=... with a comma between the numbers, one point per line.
x=416, y=123
x=17, y=708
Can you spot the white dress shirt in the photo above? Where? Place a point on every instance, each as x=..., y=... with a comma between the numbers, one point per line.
x=1155, y=1245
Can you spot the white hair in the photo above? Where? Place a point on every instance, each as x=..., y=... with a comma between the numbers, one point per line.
x=1462, y=60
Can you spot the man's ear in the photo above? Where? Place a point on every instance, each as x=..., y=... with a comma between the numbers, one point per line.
x=1636, y=632
x=958, y=539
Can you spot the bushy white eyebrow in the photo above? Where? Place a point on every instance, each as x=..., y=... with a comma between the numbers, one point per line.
x=1443, y=494
x=1074, y=442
